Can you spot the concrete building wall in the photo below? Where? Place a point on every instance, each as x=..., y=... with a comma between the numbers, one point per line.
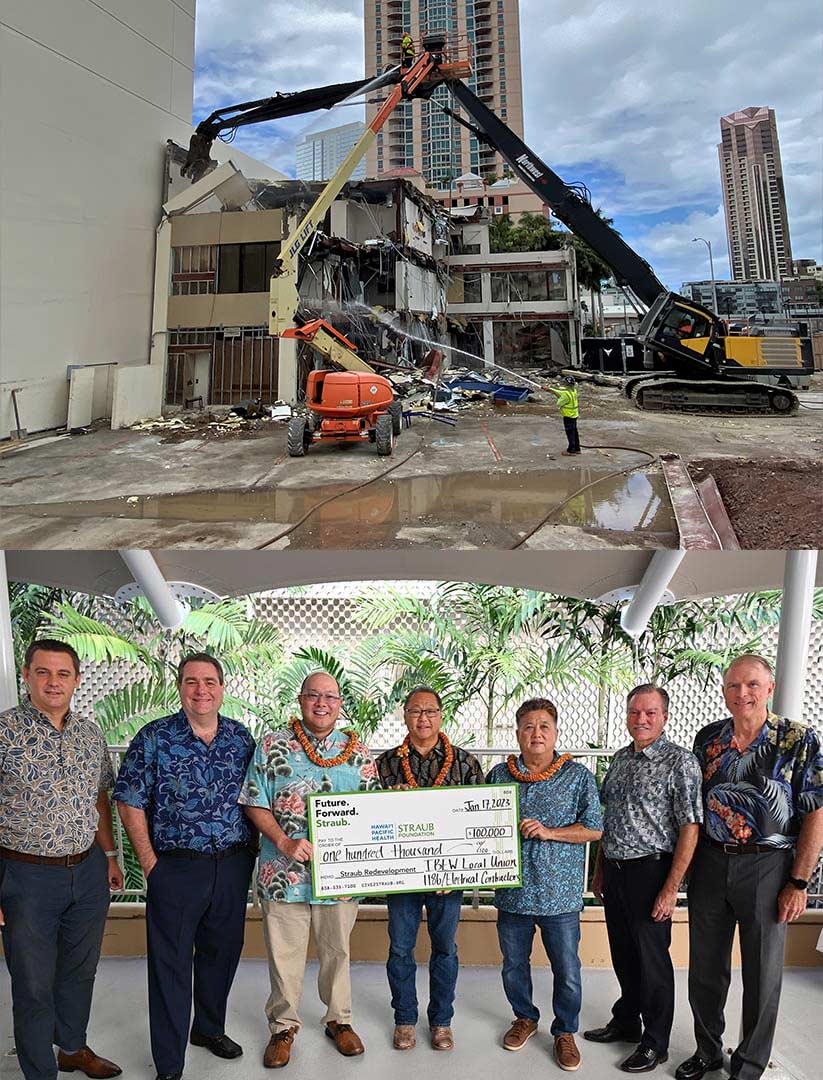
x=89, y=94
x=508, y=196
x=486, y=293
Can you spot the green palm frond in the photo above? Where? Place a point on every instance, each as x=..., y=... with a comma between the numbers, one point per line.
x=92, y=640
x=123, y=712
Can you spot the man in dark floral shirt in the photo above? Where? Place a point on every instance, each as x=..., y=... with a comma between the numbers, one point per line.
x=762, y=834
x=177, y=797
x=425, y=758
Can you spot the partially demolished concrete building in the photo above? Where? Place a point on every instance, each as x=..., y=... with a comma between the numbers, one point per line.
x=377, y=271
x=516, y=309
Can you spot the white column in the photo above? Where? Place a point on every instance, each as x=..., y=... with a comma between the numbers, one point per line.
x=795, y=632
x=488, y=342
x=8, y=675
x=634, y=618
x=287, y=370
x=168, y=609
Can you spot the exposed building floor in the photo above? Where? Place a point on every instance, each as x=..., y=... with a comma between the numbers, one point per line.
x=119, y=1028
x=495, y=479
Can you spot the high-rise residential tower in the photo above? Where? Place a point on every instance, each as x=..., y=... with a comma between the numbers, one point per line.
x=757, y=224
x=418, y=134
x=320, y=153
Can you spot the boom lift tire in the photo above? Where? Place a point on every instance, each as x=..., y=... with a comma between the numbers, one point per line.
x=384, y=434
x=396, y=413
x=299, y=436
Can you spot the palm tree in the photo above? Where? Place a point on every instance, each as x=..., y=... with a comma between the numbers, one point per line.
x=147, y=658
x=365, y=694
x=473, y=640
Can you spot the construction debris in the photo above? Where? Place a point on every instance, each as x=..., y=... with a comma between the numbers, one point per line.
x=248, y=417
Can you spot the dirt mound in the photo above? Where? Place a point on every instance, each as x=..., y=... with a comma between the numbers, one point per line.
x=772, y=504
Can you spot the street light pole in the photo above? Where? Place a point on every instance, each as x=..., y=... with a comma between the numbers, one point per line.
x=711, y=268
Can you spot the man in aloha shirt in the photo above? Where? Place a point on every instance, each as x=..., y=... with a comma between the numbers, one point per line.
x=559, y=814
x=310, y=755
x=762, y=834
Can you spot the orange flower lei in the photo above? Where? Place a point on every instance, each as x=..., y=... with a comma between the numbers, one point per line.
x=403, y=754
x=311, y=753
x=531, y=778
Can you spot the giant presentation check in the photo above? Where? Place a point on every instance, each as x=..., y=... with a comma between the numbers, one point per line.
x=415, y=841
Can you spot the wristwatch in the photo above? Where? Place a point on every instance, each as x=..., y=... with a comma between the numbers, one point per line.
x=799, y=882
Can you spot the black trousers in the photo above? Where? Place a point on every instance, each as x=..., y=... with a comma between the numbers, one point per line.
x=728, y=891
x=573, y=439
x=195, y=919
x=55, y=918
x=640, y=948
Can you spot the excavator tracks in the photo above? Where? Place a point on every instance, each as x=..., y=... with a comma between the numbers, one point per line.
x=733, y=397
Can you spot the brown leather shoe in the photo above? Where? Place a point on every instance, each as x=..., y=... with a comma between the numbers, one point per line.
x=86, y=1061
x=404, y=1037
x=345, y=1038
x=519, y=1034
x=566, y=1053
x=278, y=1052
x=442, y=1038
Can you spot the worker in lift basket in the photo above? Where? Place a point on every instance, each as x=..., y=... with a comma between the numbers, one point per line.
x=569, y=410
x=407, y=51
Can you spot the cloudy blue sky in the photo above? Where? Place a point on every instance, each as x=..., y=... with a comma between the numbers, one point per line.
x=625, y=96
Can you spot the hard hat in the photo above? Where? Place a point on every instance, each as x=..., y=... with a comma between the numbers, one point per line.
x=568, y=380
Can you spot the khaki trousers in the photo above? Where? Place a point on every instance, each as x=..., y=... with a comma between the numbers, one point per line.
x=286, y=934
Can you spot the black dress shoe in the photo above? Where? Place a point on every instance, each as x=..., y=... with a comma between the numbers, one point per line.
x=220, y=1045
x=644, y=1059
x=613, y=1032
x=695, y=1067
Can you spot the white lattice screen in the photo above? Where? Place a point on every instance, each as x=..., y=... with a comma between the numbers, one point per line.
x=326, y=617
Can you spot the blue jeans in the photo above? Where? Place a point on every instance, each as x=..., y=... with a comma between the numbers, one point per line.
x=561, y=937
x=55, y=917
x=442, y=915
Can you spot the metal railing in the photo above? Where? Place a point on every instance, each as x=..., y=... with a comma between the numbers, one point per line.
x=488, y=757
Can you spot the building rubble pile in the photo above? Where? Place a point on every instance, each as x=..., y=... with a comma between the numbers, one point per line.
x=216, y=422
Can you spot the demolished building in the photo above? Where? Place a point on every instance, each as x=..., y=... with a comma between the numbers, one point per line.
x=515, y=308
x=376, y=271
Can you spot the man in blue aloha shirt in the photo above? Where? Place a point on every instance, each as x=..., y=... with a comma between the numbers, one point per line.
x=762, y=834
x=177, y=794
x=559, y=814
x=309, y=755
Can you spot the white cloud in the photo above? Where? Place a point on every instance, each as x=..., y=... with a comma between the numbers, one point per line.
x=632, y=92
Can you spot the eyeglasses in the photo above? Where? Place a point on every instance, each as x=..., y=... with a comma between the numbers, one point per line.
x=415, y=714
x=313, y=696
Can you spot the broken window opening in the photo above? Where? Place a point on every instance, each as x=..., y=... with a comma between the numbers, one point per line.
x=245, y=268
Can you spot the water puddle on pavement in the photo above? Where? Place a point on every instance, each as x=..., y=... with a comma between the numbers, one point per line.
x=373, y=516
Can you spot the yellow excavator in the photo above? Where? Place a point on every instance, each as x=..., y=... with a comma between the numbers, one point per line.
x=704, y=368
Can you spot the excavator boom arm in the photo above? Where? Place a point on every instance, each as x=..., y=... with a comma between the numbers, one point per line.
x=566, y=204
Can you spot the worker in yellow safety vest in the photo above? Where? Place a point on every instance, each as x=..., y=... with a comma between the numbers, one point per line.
x=406, y=51
x=569, y=410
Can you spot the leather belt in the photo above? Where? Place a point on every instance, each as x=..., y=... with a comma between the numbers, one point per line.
x=655, y=856
x=741, y=849
x=190, y=853
x=45, y=860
